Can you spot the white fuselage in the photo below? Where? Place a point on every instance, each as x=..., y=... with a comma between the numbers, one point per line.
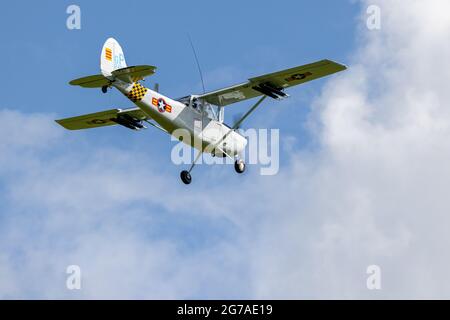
x=176, y=118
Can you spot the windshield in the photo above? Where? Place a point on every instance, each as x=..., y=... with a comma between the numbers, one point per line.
x=208, y=110
x=185, y=100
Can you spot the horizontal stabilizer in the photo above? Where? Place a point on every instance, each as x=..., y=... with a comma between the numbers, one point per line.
x=128, y=74
x=95, y=81
x=133, y=74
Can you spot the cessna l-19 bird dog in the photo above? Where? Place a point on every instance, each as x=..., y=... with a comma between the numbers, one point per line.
x=202, y=115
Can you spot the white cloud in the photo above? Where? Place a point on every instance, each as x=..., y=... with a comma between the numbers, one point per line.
x=376, y=190
x=64, y=202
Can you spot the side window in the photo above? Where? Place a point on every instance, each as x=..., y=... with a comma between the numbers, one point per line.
x=185, y=101
x=209, y=111
x=195, y=104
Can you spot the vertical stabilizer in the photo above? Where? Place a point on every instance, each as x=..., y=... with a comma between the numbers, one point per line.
x=112, y=58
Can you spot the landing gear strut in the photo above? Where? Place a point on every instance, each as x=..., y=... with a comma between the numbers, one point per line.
x=186, y=175
x=239, y=166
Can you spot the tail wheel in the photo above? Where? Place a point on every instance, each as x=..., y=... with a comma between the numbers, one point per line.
x=185, y=177
x=239, y=166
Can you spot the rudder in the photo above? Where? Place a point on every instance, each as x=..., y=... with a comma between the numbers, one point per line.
x=112, y=58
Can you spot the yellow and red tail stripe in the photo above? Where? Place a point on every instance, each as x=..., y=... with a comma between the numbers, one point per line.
x=108, y=54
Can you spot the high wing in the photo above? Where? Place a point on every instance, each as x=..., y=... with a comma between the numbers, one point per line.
x=272, y=84
x=131, y=118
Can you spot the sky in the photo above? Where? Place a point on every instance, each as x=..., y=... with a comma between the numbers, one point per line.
x=364, y=155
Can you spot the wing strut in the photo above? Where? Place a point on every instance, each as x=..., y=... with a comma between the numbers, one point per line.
x=238, y=123
x=157, y=126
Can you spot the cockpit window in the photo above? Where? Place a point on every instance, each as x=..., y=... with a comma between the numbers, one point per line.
x=185, y=100
x=208, y=110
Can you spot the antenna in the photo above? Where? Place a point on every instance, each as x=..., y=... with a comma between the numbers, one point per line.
x=198, y=64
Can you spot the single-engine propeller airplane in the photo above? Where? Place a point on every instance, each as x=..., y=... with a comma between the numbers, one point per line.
x=202, y=115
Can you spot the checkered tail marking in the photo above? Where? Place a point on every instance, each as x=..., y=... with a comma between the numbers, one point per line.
x=137, y=92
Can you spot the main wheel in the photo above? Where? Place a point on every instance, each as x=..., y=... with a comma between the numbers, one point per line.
x=105, y=89
x=185, y=177
x=239, y=166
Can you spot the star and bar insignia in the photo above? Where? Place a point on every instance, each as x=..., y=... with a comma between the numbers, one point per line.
x=298, y=76
x=161, y=105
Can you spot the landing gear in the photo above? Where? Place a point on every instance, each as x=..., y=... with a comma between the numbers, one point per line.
x=186, y=177
x=239, y=166
x=105, y=89
x=186, y=174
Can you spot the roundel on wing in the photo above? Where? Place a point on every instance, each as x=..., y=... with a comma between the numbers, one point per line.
x=97, y=121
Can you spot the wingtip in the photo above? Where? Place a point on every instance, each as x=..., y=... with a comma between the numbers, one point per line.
x=344, y=66
x=59, y=123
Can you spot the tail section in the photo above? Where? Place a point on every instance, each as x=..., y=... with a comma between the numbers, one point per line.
x=114, y=67
x=112, y=58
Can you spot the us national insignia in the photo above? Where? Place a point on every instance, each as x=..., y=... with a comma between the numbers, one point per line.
x=161, y=105
x=298, y=76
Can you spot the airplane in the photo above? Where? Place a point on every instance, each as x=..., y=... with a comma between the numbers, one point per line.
x=200, y=115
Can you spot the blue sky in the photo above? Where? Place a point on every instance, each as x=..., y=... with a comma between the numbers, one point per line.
x=233, y=42
x=363, y=175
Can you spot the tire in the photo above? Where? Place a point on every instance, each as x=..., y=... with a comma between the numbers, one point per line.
x=185, y=177
x=239, y=166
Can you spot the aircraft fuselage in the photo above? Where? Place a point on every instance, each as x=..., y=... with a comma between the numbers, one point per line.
x=173, y=115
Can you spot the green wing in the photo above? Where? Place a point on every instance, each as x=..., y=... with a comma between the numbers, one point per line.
x=272, y=84
x=130, y=118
